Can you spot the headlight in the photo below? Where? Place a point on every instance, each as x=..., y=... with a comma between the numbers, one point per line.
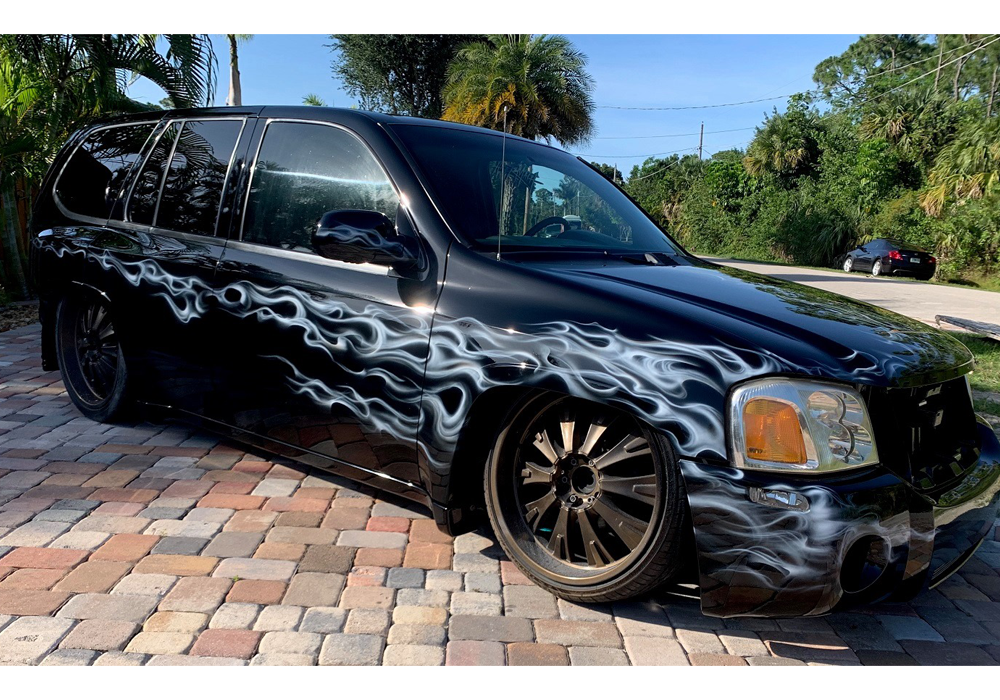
x=799, y=425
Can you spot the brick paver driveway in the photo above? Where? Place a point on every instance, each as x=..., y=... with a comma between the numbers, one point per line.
x=153, y=544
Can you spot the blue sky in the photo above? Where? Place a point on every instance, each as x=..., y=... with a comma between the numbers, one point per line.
x=629, y=70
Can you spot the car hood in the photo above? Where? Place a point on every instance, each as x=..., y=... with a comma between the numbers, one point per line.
x=810, y=331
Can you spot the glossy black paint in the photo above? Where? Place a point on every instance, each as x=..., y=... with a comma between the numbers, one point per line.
x=400, y=371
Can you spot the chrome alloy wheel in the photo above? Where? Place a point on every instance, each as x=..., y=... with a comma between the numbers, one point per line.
x=581, y=493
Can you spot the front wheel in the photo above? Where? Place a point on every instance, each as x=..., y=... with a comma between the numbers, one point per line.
x=586, y=501
x=849, y=264
x=90, y=357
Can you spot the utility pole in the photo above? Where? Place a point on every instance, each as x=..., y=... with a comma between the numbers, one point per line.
x=701, y=139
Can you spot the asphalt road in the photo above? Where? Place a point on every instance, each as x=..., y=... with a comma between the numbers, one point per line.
x=918, y=300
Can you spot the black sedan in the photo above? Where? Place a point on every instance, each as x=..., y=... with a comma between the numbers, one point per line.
x=884, y=256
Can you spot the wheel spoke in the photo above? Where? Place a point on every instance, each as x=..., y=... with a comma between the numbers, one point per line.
x=535, y=474
x=99, y=315
x=544, y=445
x=629, y=528
x=559, y=539
x=535, y=510
x=630, y=446
x=597, y=555
x=639, y=488
x=567, y=428
x=594, y=433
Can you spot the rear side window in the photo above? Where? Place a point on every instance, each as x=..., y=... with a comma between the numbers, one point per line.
x=305, y=170
x=197, y=173
x=93, y=176
x=142, y=203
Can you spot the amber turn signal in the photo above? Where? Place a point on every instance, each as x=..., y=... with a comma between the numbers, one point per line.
x=772, y=432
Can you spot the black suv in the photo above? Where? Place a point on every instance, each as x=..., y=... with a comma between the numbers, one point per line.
x=485, y=323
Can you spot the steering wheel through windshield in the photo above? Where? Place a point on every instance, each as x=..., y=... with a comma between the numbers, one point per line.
x=544, y=223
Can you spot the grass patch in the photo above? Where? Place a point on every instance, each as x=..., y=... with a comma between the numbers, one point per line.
x=986, y=377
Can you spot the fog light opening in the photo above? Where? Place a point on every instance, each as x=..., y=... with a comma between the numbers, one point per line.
x=865, y=562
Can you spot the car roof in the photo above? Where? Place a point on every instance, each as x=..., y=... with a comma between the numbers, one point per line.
x=333, y=114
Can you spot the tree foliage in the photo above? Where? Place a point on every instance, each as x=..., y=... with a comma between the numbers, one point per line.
x=397, y=73
x=900, y=139
x=536, y=84
x=51, y=84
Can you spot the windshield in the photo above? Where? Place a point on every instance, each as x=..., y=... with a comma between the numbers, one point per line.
x=533, y=198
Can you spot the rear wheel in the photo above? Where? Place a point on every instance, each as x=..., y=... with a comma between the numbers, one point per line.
x=586, y=501
x=90, y=357
x=877, y=268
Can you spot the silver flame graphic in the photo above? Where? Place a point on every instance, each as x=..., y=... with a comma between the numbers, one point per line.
x=666, y=383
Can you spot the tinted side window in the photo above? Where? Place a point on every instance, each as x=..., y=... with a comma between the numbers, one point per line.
x=197, y=173
x=94, y=174
x=305, y=170
x=142, y=203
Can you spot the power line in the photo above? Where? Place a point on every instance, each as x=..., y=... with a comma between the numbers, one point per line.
x=816, y=91
x=635, y=155
x=725, y=104
x=667, y=136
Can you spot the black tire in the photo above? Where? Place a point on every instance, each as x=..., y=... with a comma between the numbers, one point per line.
x=848, y=265
x=876, y=268
x=90, y=358
x=644, y=483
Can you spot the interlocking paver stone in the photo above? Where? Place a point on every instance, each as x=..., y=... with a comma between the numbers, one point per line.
x=239, y=644
x=160, y=643
x=367, y=621
x=314, y=589
x=28, y=639
x=257, y=569
x=324, y=620
x=196, y=594
x=188, y=546
x=145, y=584
x=470, y=653
x=176, y=622
x=235, y=616
x=351, y=650
x=413, y=655
x=290, y=643
x=490, y=629
x=100, y=635
x=70, y=657
x=573, y=633
x=597, y=656
x=901, y=627
x=654, y=651
x=278, y=618
x=106, y=606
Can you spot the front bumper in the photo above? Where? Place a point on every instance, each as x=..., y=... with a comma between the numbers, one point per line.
x=775, y=556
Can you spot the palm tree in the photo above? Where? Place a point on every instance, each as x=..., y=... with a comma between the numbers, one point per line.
x=967, y=168
x=313, y=100
x=786, y=145
x=235, y=98
x=53, y=83
x=539, y=83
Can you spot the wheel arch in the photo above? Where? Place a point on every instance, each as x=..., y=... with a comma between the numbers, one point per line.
x=464, y=498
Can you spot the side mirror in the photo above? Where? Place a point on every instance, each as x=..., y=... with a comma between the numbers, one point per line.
x=862, y=249
x=361, y=236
